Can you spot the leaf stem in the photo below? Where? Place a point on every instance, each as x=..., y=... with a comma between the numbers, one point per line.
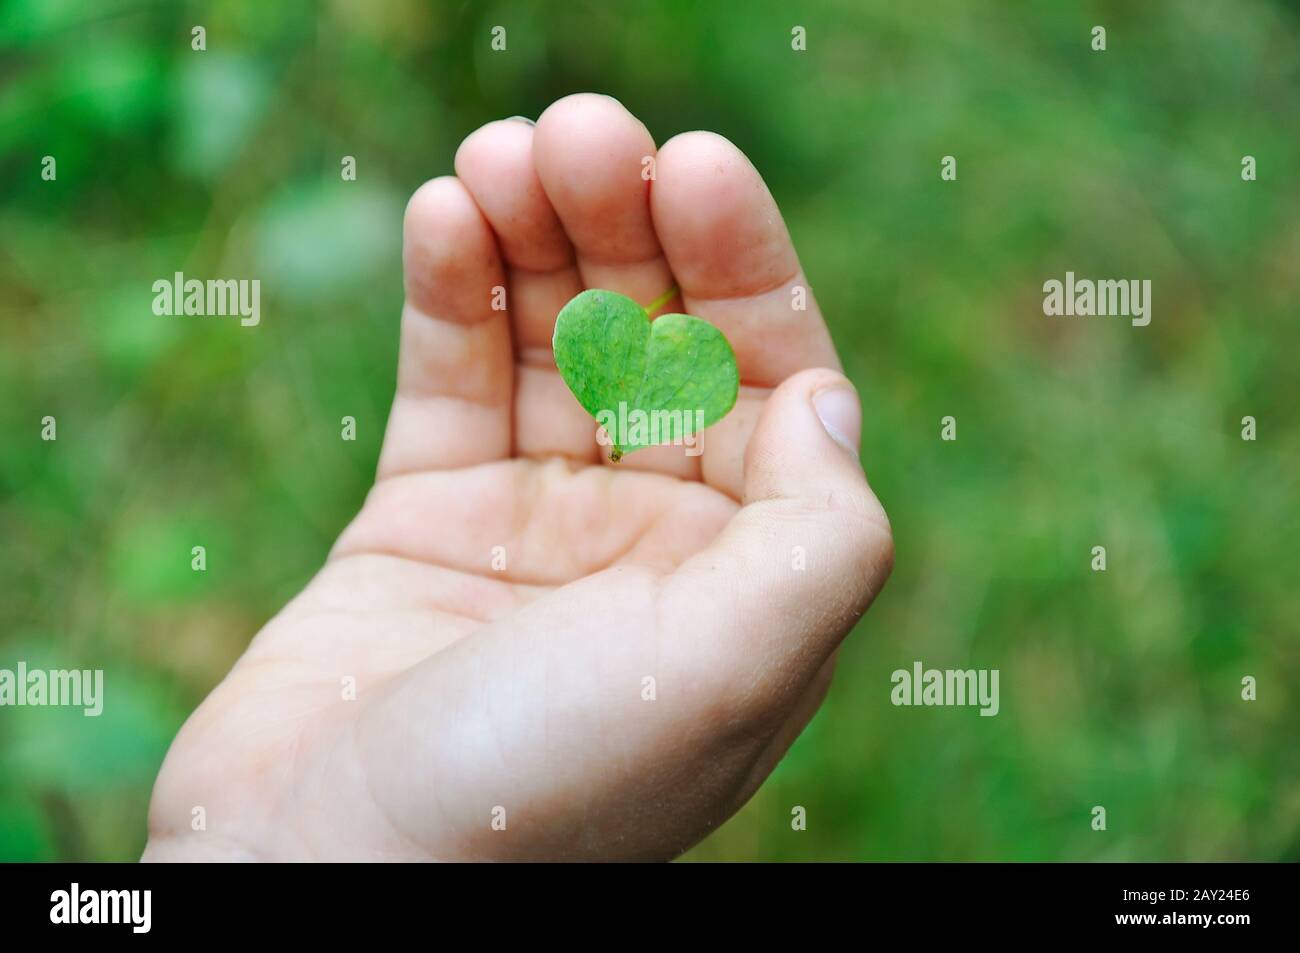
x=660, y=301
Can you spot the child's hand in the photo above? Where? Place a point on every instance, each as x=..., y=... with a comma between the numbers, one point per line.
x=519, y=650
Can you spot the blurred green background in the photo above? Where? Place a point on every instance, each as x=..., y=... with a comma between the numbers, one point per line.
x=1119, y=689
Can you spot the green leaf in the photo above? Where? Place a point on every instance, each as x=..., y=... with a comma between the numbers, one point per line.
x=646, y=382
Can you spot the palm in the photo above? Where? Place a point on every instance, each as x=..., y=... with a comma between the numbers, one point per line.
x=505, y=632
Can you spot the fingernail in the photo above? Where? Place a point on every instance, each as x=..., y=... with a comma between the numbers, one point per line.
x=530, y=122
x=841, y=415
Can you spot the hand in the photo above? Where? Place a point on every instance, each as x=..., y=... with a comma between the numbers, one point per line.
x=646, y=648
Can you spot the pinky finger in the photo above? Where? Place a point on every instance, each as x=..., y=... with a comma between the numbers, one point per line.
x=455, y=366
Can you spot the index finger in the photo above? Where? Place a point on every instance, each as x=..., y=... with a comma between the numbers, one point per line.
x=731, y=254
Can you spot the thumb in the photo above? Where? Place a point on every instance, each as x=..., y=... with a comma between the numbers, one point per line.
x=810, y=548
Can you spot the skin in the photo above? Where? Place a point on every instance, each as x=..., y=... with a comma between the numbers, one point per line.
x=522, y=688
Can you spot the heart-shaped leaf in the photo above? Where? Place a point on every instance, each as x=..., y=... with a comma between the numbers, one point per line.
x=646, y=382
